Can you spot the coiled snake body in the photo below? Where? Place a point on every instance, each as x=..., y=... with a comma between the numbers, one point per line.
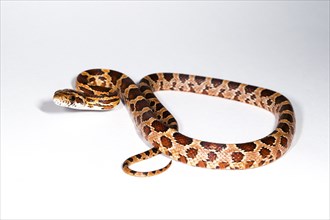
x=102, y=89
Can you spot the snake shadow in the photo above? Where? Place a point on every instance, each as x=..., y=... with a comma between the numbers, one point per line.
x=49, y=107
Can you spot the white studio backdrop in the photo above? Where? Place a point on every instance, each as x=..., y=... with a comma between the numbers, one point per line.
x=65, y=164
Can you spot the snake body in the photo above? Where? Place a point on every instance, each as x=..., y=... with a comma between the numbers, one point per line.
x=102, y=89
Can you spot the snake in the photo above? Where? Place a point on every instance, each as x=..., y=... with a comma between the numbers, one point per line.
x=103, y=89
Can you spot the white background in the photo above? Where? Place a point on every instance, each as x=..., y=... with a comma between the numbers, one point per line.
x=65, y=164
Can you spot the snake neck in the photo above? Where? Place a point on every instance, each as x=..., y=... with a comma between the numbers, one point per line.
x=102, y=82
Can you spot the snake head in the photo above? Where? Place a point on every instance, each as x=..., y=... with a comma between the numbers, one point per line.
x=78, y=100
x=70, y=98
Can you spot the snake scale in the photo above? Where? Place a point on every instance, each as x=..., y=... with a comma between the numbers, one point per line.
x=102, y=89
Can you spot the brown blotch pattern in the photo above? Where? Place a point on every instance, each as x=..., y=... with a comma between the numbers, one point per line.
x=173, y=86
x=154, y=77
x=205, y=91
x=286, y=117
x=201, y=164
x=284, y=127
x=223, y=165
x=238, y=93
x=213, y=146
x=171, y=120
x=261, y=163
x=146, y=130
x=191, y=153
x=147, y=115
x=280, y=99
x=247, y=147
x=284, y=141
x=102, y=78
x=82, y=79
x=278, y=154
x=131, y=107
x=100, y=88
x=166, y=142
x=155, y=144
x=86, y=91
x=144, y=80
x=115, y=76
x=144, y=88
x=168, y=76
x=249, y=163
x=269, y=140
x=183, y=77
x=150, y=96
x=159, y=106
x=133, y=93
x=216, y=82
x=237, y=156
x=253, y=97
x=95, y=72
x=181, y=139
x=159, y=127
x=79, y=100
x=106, y=101
x=269, y=102
x=250, y=89
x=166, y=114
x=233, y=85
x=182, y=159
x=200, y=79
x=212, y=156
x=191, y=86
x=286, y=107
x=125, y=83
x=266, y=93
x=264, y=152
x=139, y=105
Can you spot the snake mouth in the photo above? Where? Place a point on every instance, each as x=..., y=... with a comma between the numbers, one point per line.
x=60, y=102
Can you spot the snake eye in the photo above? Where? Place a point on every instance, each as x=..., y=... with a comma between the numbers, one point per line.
x=72, y=98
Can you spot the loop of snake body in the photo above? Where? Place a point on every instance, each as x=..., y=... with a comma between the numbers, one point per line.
x=102, y=89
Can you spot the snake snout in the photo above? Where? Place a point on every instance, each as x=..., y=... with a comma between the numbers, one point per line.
x=65, y=97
